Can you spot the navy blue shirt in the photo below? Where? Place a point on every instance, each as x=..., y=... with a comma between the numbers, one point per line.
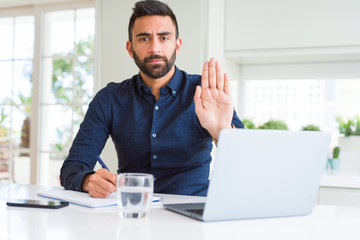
x=161, y=137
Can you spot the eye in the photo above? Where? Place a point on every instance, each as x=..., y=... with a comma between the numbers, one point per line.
x=164, y=38
x=144, y=39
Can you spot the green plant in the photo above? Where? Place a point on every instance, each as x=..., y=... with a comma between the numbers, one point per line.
x=336, y=152
x=310, y=127
x=350, y=126
x=3, y=130
x=274, y=124
x=248, y=124
x=3, y=116
x=23, y=103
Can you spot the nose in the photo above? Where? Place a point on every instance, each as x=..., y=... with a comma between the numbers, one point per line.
x=155, y=46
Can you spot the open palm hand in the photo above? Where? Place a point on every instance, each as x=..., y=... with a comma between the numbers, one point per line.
x=213, y=101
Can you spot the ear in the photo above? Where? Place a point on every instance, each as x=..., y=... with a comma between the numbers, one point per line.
x=129, y=49
x=178, y=45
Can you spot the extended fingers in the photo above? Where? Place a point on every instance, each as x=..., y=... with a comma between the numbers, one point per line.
x=212, y=77
x=204, y=77
x=227, y=87
x=212, y=73
x=219, y=77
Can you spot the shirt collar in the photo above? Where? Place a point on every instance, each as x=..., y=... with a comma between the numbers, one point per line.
x=173, y=84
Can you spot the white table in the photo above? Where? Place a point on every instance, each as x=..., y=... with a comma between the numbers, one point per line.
x=75, y=222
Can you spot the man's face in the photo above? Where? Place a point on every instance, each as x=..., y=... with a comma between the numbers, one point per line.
x=155, y=66
x=154, y=46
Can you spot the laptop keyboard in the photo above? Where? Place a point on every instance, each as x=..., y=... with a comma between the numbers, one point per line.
x=196, y=211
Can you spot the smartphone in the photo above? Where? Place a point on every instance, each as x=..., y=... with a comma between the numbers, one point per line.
x=52, y=204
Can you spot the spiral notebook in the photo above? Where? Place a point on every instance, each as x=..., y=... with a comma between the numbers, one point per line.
x=82, y=198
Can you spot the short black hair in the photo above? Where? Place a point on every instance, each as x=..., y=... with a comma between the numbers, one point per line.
x=151, y=8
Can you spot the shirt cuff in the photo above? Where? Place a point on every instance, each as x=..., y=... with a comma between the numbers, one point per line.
x=76, y=183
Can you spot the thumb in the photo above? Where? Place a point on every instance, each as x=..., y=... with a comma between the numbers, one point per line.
x=197, y=98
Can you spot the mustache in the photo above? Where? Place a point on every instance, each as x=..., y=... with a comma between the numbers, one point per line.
x=152, y=57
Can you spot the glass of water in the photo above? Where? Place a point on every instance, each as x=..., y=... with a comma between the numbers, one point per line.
x=134, y=194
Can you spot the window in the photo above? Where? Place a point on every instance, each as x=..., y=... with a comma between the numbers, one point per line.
x=305, y=101
x=16, y=56
x=67, y=84
x=298, y=101
x=59, y=90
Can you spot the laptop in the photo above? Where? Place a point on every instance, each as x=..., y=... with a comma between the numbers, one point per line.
x=262, y=173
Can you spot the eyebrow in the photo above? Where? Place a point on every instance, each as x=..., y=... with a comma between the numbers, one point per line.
x=146, y=34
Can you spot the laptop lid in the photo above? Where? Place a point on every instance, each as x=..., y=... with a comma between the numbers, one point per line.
x=265, y=173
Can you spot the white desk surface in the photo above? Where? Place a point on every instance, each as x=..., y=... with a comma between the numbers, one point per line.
x=75, y=222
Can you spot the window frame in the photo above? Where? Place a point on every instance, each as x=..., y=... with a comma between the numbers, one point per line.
x=12, y=13
x=38, y=11
x=335, y=70
x=305, y=70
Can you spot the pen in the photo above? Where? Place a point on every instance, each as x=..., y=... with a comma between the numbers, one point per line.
x=102, y=163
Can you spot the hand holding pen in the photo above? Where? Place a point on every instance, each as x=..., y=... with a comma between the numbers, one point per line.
x=101, y=183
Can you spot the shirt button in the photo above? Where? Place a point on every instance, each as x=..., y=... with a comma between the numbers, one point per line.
x=173, y=92
x=154, y=135
x=156, y=108
x=154, y=157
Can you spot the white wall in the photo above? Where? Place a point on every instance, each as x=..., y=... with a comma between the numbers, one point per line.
x=278, y=24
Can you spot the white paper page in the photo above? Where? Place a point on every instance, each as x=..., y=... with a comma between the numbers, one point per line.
x=82, y=198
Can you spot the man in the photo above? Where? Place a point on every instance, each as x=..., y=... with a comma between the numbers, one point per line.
x=161, y=121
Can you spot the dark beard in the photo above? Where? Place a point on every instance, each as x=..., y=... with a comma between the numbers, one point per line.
x=155, y=71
